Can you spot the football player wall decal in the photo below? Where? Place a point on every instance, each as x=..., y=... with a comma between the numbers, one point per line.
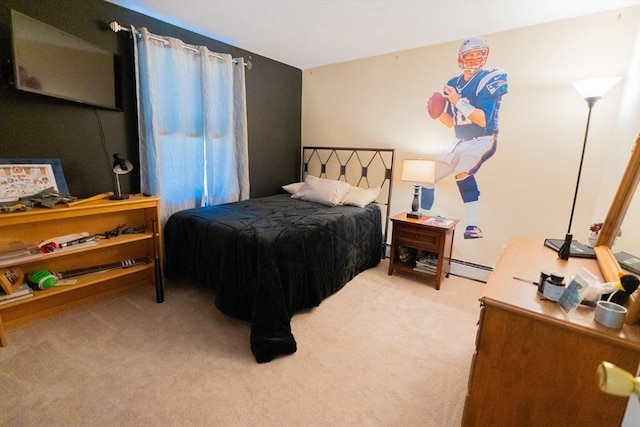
x=470, y=103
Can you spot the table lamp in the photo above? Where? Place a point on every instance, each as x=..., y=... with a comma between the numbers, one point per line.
x=417, y=171
x=121, y=166
x=591, y=90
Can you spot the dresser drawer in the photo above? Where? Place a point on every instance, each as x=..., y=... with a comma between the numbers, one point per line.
x=419, y=238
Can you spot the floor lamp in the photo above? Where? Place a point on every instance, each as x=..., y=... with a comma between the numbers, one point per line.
x=591, y=90
x=417, y=171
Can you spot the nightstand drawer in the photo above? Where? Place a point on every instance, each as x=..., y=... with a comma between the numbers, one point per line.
x=420, y=239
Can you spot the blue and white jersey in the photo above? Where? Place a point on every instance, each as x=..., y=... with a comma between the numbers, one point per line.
x=484, y=90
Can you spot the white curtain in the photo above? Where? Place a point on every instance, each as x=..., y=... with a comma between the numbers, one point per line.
x=192, y=124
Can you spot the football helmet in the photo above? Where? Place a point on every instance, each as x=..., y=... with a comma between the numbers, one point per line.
x=473, y=54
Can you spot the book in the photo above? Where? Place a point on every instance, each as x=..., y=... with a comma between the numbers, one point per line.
x=16, y=252
x=14, y=298
x=12, y=248
x=20, y=259
x=22, y=292
x=577, y=249
x=425, y=269
x=427, y=264
x=628, y=262
x=437, y=221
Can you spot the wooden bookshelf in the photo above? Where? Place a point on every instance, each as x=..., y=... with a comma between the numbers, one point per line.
x=97, y=217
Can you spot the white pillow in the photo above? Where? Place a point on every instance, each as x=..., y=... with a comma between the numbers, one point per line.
x=324, y=191
x=293, y=188
x=360, y=197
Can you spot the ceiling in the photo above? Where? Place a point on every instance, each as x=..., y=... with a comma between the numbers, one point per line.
x=312, y=33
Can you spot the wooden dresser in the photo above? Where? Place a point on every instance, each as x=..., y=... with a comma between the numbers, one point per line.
x=534, y=365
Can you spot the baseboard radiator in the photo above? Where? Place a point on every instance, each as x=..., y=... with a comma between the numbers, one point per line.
x=460, y=268
x=470, y=270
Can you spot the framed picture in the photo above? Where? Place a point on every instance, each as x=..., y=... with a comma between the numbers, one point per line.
x=26, y=177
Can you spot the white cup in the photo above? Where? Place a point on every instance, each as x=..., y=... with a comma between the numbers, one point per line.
x=610, y=314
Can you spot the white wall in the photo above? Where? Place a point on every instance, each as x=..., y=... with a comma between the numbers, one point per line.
x=527, y=187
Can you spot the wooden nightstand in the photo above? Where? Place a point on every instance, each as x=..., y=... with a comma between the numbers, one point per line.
x=418, y=236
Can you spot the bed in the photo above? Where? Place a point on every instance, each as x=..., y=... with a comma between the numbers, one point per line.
x=269, y=257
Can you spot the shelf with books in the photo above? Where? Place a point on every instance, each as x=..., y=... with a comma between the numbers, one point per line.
x=409, y=258
x=41, y=258
x=84, y=271
x=90, y=279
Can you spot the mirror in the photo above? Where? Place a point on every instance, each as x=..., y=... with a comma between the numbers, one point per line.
x=622, y=199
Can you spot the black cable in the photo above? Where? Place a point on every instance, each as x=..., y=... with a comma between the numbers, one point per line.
x=107, y=152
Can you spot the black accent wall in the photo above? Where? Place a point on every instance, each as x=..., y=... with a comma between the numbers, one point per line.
x=37, y=126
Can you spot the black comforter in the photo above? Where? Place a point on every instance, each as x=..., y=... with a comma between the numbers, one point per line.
x=269, y=257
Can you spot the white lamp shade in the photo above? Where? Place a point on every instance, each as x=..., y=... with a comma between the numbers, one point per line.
x=418, y=170
x=595, y=88
x=120, y=170
x=121, y=166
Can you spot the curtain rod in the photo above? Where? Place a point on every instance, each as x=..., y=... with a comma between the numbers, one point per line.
x=115, y=27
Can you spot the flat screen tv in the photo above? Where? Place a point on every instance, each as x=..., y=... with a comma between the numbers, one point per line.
x=50, y=62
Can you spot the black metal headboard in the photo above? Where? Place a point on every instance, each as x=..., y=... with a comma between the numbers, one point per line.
x=362, y=167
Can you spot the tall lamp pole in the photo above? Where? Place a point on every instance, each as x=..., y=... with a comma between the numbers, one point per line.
x=591, y=90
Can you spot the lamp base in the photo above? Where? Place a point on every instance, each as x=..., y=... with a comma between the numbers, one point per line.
x=415, y=203
x=119, y=197
x=576, y=249
x=565, y=250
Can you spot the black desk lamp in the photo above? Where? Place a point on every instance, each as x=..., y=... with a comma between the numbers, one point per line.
x=591, y=90
x=417, y=171
x=121, y=166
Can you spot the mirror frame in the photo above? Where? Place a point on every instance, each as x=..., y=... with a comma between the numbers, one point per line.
x=609, y=266
x=622, y=199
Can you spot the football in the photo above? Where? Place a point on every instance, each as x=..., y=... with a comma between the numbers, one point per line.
x=436, y=105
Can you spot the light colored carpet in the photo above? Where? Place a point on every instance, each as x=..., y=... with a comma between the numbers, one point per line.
x=384, y=351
